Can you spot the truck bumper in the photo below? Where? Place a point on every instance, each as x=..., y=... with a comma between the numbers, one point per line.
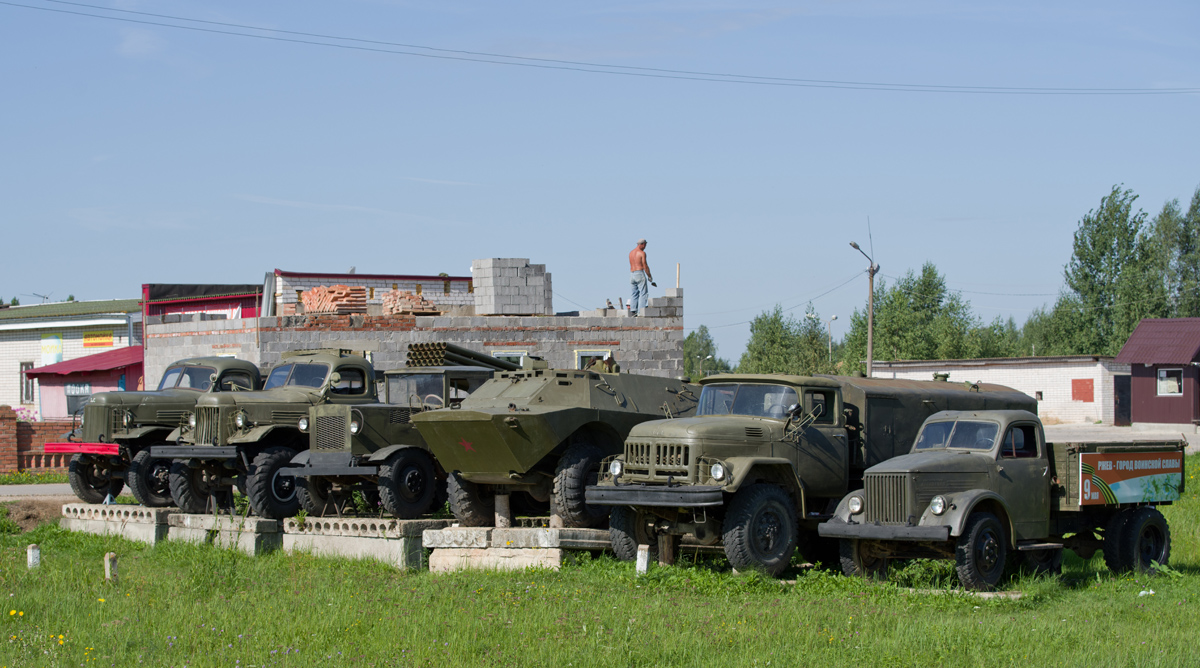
x=690, y=496
x=836, y=528
x=194, y=451
x=82, y=448
x=327, y=470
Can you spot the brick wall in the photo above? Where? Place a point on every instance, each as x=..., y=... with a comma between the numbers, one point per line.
x=21, y=444
x=8, y=439
x=512, y=286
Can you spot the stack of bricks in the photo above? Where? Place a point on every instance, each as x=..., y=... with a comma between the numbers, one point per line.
x=670, y=305
x=335, y=299
x=404, y=302
x=511, y=286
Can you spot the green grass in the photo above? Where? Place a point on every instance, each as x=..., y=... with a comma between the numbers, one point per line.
x=178, y=604
x=27, y=478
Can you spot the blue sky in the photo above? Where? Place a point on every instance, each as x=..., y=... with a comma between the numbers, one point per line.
x=136, y=153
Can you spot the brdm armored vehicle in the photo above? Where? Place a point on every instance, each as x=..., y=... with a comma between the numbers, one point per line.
x=766, y=459
x=247, y=437
x=540, y=434
x=112, y=445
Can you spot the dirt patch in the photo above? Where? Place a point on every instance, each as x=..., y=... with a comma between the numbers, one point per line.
x=29, y=513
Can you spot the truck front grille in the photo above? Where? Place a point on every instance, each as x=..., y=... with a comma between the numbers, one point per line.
x=887, y=501
x=287, y=417
x=116, y=420
x=400, y=416
x=330, y=432
x=208, y=425
x=658, y=460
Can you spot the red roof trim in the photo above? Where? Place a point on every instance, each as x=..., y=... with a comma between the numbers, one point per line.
x=378, y=277
x=105, y=361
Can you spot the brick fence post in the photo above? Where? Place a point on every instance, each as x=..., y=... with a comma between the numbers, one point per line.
x=8, y=439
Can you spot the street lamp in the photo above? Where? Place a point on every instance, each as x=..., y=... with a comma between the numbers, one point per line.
x=871, y=270
x=701, y=359
x=829, y=324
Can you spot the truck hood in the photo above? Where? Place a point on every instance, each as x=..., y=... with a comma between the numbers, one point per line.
x=115, y=399
x=731, y=427
x=937, y=461
x=284, y=397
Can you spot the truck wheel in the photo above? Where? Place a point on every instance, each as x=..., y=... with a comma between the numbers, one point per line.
x=148, y=480
x=272, y=496
x=1114, y=533
x=981, y=552
x=89, y=481
x=407, y=483
x=1042, y=562
x=823, y=552
x=859, y=561
x=578, y=468
x=471, y=505
x=191, y=492
x=1147, y=540
x=315, y=495
x=760, y=529
x=627, y=529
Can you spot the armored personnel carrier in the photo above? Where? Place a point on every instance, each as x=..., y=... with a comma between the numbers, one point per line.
x=540, y=434
x=112, y=445
x=247, y=437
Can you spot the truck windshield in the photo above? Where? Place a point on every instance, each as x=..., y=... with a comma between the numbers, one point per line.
x=187, y=378
x=414, y=388
x=965, y=434
x=302, y=375
x=754, y=399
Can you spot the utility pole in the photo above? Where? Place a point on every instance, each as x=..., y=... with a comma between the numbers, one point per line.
x=871, y=271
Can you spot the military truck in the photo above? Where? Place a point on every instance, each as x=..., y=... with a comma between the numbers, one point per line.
x=765, y=460
x=111, y=447
x=247, y=437
x=375, y=449
x=537, y=436
x=985, y=488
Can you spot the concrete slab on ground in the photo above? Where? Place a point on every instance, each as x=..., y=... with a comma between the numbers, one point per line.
x=146, y=525
x=392, y=541
x=252, y=535
x=515, y=548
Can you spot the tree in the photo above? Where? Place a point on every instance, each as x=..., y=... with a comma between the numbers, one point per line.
x=780, y=344
x=1174, y=248
x=696, y=347
x=15, y=302
x=70, y=298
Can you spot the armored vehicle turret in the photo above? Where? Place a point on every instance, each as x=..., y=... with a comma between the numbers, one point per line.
x=540, y=434
x=112, y=445
x=247, y=437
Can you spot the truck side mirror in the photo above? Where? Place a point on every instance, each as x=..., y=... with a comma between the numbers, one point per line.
x=794, y=410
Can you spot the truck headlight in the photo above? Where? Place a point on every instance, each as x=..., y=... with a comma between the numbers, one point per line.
x=717, y=471
x=938, y=505
x=855, y=504
x=354, y=426
x=302, y=424
x=127, y=419
x=616, y=468
x=240, y=420
x=192, y=420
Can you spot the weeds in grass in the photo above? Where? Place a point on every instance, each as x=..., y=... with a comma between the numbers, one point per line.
x=27, y=478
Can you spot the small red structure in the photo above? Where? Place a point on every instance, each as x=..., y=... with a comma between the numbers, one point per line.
x=66, y=386
x=1164, y=359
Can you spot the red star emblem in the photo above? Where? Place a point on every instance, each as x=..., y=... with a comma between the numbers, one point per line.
x=466, y=445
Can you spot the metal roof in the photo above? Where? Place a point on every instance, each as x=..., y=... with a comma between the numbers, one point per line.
x=67, y=309
x=1162, y=341
x=110, y=359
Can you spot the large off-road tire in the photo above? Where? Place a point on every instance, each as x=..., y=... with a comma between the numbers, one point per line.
x=760, y=529
x=1114, y=535
x=1146, y=541
x=316, y=496
x=471, y=505
x=89, y=481
x=818, y=551
x=407, y=484
x=272, y=495
x=857, y=560
x=981, y=552
x=627, y=528
x=577, y=468
x=149, y=480
x=191, y=493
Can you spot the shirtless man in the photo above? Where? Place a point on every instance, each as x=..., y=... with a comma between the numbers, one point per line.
x=639, y=274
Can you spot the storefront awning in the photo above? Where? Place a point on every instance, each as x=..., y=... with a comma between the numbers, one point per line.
x=106, y=361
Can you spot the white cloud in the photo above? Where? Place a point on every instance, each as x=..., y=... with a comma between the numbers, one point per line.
x=138, y=43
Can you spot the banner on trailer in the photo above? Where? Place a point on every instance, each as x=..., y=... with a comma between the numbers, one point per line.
x=1110, y=478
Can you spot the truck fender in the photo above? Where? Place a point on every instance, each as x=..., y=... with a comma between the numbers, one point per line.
x=776, y=470
x=174, y=435
x=843, y=509
x=139, y=432
x=301, y=458
x=962, y=504
x=255, y=434
x=381, y=455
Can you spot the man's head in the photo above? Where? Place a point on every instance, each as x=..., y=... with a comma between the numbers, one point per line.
x=641, y=243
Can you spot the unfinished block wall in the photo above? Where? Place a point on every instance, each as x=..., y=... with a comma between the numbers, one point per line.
x=511, y=286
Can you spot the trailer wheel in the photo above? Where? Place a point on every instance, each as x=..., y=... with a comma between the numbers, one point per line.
x=628, y=529
x=1114, y=533
x=192, y=493
x=858, y=560
x=981, y=552
x=578, y=468
x=272, y=496
x=760, y=529
x=1146, y=540
x=90, y=482
x=316, y=496
x=149, y=480
x=472, y=505
x=407, y=483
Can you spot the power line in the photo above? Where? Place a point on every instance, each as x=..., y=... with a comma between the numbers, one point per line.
x=994, y=294
x=582, y=66
x=793, y=308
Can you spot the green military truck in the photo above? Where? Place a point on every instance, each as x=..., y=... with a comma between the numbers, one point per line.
x=248, y=437
x=985, y=488
x=375, y=449
x=537, y=436
x=112, y=445
x=765, y=460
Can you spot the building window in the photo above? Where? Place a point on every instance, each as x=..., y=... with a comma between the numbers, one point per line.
x=1083, y=389
x=583, y=358
x=1170, y=382
x=514, y=356
x=26, y=384
x=1038, y=395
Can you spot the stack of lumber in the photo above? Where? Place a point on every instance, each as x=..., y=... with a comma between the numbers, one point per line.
x=403, y=301
x=335, y=299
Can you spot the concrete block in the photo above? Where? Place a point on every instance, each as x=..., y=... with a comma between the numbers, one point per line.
x=674, y=292
x=457, y=537
x=456, y=559
x=395, y=542
x=545, y=538
x=145, y=525
x=252, y=535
